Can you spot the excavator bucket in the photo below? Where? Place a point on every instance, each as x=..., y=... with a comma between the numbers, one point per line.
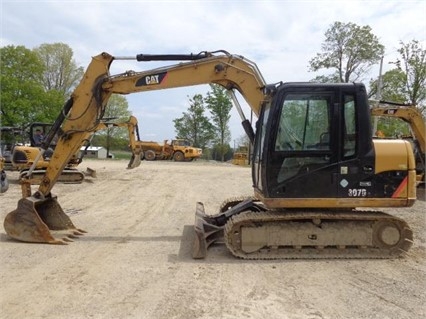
x=135, y=161
x=40, y=221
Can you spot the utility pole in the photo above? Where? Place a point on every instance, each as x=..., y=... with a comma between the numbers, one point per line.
x=378, y=94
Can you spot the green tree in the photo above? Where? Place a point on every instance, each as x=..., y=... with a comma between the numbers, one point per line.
x=221, y=152
x=60, y=70
x=23, y=98
x=333, y=78
x=194, y=125
x=413, y=64
x=393, y=86
x=220, y=105
x=349, y=49
x=404, y=84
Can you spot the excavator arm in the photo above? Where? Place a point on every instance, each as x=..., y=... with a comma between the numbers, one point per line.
x=133, y=130
x=411, y=115
x=89, y=100
x=39, y=217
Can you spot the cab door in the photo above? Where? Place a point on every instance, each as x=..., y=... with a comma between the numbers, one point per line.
x=302, y=144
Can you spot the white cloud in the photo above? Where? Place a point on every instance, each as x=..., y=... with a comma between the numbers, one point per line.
x=280, y=36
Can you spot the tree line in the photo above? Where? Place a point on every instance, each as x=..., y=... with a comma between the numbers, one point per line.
x=35, y=83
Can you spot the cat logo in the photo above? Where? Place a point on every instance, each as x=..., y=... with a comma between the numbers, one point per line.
x=151, y=79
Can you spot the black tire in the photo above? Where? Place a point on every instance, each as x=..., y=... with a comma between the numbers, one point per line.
x=150, y=155
x=178, y=157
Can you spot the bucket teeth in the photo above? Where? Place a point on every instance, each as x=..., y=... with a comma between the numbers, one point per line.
x=40, y=221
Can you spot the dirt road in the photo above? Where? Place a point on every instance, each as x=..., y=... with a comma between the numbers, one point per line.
x=135, y=261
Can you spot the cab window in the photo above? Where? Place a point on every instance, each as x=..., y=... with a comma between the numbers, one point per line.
x=304, y=124
x=349, y=134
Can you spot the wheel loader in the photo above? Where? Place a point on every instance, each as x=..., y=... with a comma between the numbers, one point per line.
x=319, y=178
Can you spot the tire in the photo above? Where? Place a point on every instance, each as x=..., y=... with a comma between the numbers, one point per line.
x=178, y=157
x=150, y=155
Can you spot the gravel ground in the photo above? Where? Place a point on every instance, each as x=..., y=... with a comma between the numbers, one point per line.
x=135, y=261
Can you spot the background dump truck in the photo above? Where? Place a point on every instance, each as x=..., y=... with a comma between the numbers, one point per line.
x=179, y=150
x=241, y=156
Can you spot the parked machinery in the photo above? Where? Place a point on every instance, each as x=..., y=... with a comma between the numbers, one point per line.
x=179, y=150
x=411, y=115
x=10, y=136
x=4, y=182
x=25, y=157
x=314, y=164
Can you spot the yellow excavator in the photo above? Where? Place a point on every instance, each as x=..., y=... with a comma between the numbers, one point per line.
x=134, y=139
x=24, y=157
x=315, y=164
x=414, y=118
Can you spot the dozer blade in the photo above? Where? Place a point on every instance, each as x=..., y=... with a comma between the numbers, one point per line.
x=40, y=221
x=206, y=233
x=90, y=172
x=209, y=229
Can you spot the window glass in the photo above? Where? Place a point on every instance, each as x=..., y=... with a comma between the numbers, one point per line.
x=304, y=123
x=349, y=141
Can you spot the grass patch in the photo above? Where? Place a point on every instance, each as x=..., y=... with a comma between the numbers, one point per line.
x=122, y=155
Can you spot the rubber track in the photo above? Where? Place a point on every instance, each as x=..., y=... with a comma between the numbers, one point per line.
x=253, y=219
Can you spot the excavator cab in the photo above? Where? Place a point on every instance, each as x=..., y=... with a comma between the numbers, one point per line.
x=316, y=138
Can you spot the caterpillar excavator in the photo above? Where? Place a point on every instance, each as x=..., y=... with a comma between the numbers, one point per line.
x=319, y=177
x=134, y=138
x=414, y=118
x=24, y=157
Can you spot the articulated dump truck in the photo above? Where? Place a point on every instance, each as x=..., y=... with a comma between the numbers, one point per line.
x=179, y=150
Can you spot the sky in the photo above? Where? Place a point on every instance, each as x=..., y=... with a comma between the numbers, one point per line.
x=279, y=36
